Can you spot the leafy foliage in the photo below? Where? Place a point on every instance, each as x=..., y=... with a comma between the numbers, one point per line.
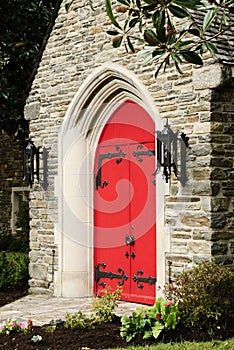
x=22, y=31
x=150, y=322
x=18, y=242
x=103, y=310
x=11, y=325
x=205, y=296
x=13, y=269
x=156, y=24
x=104, y=307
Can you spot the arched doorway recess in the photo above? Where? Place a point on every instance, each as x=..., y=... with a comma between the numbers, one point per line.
x=107, y=90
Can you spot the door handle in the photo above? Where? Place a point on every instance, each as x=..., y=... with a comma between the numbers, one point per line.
x=129, y=240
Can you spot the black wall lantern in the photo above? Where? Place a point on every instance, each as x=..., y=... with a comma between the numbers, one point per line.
x=171, y=153
x=30, y=162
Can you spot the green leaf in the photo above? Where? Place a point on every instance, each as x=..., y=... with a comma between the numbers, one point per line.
x=159, y=19
x=211, y=47
x=208, y=19
x=110, y=14
x=151, y=38
x=124, y=2
x=157, y=329
x=117, y=41
x=193, y=5
x=133, y=22
x=147, y=334
x=68, y=4
x=158, y=70
x=91, y=4
x=183, y=43
x=194, y=32
x=178, y=11
x=178, y=67
x=130, y=44
x=112, y=32
x=192, y=57
x=151, y=2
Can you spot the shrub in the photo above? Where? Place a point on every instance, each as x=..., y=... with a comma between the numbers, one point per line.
x=19, y=241
x=150, y=321
x=104, y=307
x=204, y=295
x=13, y=269
x=103, y=310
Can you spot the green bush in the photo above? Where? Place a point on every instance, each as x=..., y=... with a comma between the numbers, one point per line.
x=150, y=321
x=205, y=296
x=19, y=241
x=13, y=270
x=104, y=307
x=103, y=310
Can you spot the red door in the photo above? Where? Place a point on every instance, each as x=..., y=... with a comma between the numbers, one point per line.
x=124, y=205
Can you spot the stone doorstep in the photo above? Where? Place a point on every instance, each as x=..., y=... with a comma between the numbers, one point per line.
x=42, y=309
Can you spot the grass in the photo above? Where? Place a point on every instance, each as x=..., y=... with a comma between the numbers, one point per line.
x=217, y=345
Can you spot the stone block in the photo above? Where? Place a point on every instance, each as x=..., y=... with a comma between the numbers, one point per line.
x=201, y=174
x=219, y=174
x=201, y=188
x=179, y=248
x=35, y=256
x=222, y=162
x=32, y=110
x=199, y=247
x=208, y=77
x=38, y=271
x=199, y=234
x=218, y=220
x=201, y=128
x=195, y=220
x=219, y=248
x=222, y=235
x=219, y=204
x=201, y=149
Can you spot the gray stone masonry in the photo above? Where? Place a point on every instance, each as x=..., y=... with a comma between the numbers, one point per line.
x=199, y=216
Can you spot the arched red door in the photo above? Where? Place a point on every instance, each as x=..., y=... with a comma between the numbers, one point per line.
x=125, y=205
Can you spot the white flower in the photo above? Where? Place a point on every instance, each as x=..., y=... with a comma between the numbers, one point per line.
x=36, y=338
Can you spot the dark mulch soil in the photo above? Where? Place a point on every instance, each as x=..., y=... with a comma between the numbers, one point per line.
x=103, y=336
x=9, y=295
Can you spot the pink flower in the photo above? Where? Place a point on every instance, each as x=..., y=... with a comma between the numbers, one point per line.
x=22, y=325
x=168, y=304
x=13, y=324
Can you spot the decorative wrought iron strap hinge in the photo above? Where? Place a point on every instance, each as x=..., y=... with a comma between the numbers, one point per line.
x=139, y=153
x=120, y=154
x=111, y=275
x=136, y=278
x=148, y=152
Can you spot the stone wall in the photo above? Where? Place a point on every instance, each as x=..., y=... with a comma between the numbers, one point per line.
x=197, y=216
x=10, y=176
x=222, y=175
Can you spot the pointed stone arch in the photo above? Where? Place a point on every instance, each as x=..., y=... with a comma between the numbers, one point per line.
x=102, y=92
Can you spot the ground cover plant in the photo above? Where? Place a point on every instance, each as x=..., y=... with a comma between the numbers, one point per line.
x=102, y=328
x=13, y=270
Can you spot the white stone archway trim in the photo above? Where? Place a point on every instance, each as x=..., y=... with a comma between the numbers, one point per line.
x=95, y=101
